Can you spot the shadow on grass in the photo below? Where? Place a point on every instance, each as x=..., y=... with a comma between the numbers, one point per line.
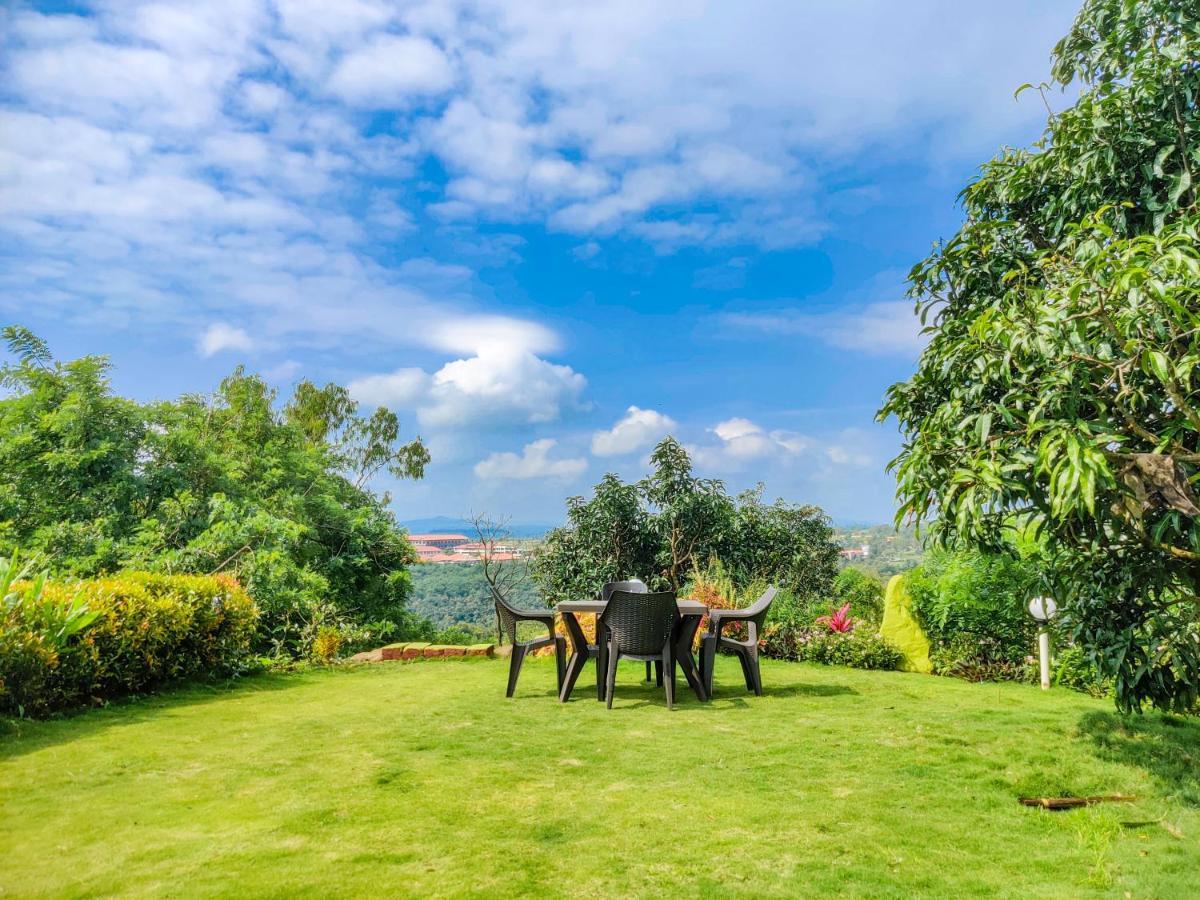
x=21, y=736
x=1167, y=747
x=730, y=697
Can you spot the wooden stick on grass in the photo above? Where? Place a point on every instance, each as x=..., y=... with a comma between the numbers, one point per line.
x=1075, y=802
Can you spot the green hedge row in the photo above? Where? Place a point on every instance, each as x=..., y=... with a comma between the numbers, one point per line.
x=147, y=629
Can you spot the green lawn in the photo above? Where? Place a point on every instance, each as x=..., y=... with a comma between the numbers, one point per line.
x=421, y=778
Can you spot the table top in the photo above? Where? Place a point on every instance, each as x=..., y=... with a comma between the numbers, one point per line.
x=686, y=607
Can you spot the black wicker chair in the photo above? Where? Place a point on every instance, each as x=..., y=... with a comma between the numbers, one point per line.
x=747, y=650
x=507, y=618
x=640, y=626
x=633, y=586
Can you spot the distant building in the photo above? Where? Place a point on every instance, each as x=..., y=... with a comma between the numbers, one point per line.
x=441, y=549
x=479, y=550
x=856, y=552
x=444, y=542
x=438, y=558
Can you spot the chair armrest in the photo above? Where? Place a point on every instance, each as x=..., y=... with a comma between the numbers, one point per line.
x=532, y=615
x=727, y=615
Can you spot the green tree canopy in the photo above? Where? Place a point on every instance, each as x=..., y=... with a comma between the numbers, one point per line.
x=664, y=526
x=1061, y=385
x=227, y=482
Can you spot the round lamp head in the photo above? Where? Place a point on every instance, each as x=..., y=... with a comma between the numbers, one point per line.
x=1043, y=608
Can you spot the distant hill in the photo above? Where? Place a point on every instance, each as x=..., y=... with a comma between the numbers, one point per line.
x=448, y=525
x=891, y=550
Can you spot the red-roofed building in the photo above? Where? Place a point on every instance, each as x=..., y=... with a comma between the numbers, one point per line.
x=438, y=541
x=442, y=559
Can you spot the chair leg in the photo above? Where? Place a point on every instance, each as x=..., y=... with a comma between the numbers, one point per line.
x=658, y=670
x=601, y=662
x=747, y=674
x=514, y=667
x=560, y=659
x=755, y=671
x=611, y=681
x=648, y=670
x=708, y=660
x=669, y=662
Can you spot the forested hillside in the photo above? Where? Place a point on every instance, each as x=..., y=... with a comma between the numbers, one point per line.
x=892, y=550
x=458, y=595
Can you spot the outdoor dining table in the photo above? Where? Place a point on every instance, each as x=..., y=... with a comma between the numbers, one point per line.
x=690, y=614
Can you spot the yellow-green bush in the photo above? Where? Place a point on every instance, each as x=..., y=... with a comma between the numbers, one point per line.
x=150, y=629
x=902, y=629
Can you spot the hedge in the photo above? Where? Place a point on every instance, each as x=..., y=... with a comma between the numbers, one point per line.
x=150, y=630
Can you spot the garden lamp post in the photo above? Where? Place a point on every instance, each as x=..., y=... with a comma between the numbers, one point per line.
x=1043, y=609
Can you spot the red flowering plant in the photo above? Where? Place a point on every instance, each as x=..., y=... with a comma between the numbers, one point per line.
x=840, y=621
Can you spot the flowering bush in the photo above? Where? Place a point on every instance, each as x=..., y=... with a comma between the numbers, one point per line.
x=839, y=620
x=326, y=645
x=858, y=648
x=712, y=586
x=146, y=629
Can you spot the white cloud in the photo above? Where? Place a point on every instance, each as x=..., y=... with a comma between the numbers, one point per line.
x=533, y=462
x=389, y=70
x=497, y=387
x=637, y=429
x=501, y=388
x=841, y=455
x=166, y=164
x=221, y=336
x=886, y=328
x=741, y=441
x=401, y=389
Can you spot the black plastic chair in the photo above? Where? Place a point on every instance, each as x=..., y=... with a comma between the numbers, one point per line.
x=507, y=618
x=642, y=627
x=747, y=650
x=633, y=586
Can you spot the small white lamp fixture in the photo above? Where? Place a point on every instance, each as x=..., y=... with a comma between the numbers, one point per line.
x=1043, y=610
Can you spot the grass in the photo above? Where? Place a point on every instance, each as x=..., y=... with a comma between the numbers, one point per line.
x=421, y=778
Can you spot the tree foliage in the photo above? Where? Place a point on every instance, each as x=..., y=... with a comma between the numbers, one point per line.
x=662, y=528
x=1061, y=384
x=230, y=482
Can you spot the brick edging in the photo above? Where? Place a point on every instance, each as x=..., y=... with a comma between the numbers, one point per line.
x=422, y=650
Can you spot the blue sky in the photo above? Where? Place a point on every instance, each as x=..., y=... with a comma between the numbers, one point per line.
x=546, y=233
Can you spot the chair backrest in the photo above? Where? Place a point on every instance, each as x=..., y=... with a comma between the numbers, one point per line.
x=640, y=623
x=633, y=586
x=506, y=618
x=756, y=612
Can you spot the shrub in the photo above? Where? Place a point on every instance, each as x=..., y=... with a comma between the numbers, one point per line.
x=975, y=657
x=1074, y=669
x=972, y=607
x=327, y=645
x=712, y=586
x=899, y=626
x=148, y=629
x=860, y=648
x=795, y=612
x=863, y=591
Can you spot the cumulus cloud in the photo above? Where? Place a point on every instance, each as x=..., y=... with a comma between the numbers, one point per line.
x=389, y=70
x=221, y=336
x=498, y=386
x=533, y=462
x=742, y=444
x=637, y=429
x=168, y=163
x=741, y=441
